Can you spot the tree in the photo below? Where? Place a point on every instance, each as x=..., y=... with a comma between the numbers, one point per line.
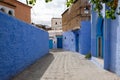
x=32, y=2
x=110, y=13
x=111, y=4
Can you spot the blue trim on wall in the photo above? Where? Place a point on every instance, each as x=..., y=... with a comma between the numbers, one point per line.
x=99, y=31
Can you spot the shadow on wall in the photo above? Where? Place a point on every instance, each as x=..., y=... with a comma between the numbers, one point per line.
x=37, y=70
x=20, y=45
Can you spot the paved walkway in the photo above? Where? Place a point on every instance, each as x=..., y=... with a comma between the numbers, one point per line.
x=65, y=65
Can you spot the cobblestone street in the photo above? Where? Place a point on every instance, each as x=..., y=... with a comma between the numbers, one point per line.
x=65, y=65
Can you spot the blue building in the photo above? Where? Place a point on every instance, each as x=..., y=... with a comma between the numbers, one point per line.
x=105, y=40
x=56, y=42
x=78, y=40
x=55, y=39
x=77, y=27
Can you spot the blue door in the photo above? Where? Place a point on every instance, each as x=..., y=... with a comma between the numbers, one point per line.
x=59, y=42
x=77, y=42
x=50, y=44
x=76, y=34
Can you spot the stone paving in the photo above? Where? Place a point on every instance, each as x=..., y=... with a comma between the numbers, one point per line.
x=65, y=65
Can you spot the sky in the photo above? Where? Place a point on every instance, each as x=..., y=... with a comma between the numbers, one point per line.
x=42, y=12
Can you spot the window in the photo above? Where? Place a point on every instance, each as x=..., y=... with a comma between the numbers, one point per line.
x=7, y=10
x=10, y=12
x=2, y=9
x=56, y=23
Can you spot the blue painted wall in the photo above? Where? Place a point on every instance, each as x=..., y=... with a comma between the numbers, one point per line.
x=85, y=37
x=107, y=42
x=94, y=17
x=69, y=41
x=115, y=45
x=20, y=45
x=106, y=38
x=84, y=43
x=111, y=38
x=112, y=43
x=96, y=30
x=77, y=39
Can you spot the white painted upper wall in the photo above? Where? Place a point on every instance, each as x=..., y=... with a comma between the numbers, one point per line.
x=7, y=10
x=56, y=23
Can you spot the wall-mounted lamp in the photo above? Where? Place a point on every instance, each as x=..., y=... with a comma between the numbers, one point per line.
x=86, y=10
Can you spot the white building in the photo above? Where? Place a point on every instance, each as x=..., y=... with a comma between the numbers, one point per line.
x=56, y=23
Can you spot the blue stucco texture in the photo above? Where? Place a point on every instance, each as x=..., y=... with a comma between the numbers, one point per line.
x=106, y=45
x=20, y=45
x=69, y=41
x=85, y=37
x=111, y=42
x=94, y=17
x=115, y=45
x=111, y=45
x=78, y=40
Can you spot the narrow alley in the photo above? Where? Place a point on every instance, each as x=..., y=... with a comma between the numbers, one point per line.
x=65, y=65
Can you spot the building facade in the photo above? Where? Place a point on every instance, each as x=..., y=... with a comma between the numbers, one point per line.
x=55, y=35
x=105, y=40
x=56, y=23
x=16, y=9
x=76, y=13
x=76, y=27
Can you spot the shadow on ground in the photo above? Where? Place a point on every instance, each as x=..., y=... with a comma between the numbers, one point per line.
x=57, y=50
x=37, y=70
